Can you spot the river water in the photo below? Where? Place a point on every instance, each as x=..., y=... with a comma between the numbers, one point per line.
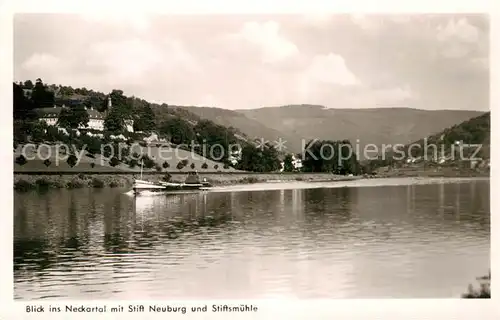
x=401, y=238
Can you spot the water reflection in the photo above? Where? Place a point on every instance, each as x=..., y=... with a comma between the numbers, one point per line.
x=400, y=241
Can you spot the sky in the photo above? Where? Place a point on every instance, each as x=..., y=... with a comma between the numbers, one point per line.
x=252, y=61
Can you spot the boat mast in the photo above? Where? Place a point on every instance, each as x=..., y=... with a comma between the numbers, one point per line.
x=142, y=163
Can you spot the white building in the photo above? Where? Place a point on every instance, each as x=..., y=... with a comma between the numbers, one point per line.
x=235, y=157
x=296, y=163
x=96, y=118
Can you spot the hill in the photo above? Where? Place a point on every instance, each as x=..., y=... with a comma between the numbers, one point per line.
x=246, y=127
x=100, y=164
x=370, y=126
x=214, y=146
x=464, y=145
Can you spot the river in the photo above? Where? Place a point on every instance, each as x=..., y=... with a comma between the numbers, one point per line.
x=381, y=238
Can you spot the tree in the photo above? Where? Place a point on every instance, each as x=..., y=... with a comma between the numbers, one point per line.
x=180, y=165
x=52, y=134
x=72, y=160
x=132, y=163
x=114, y=121
x=263, y=159
x=21, y=160
x=165, y=165
x=179, y=130
x=145, y=120
x=288, y=163
x=93, y=144
x=204, y=165
x=23, y=108
x=148, y=162
x=330, y=156
x=184, y=162
x=226, y=166
x=211, y=134
x=47, y=162
x=41, y=96
x=167, y=177
x=28, y=84
x=73, y=117
x=216, y=167
x=37, y=131
x=121, y=110
x=114, y=162
x=193, y=166
x=95, y=102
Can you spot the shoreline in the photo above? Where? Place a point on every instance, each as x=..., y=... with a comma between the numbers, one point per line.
x=27, y=182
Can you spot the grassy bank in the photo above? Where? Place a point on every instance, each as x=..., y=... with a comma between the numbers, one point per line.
x=437, y=172
x=24, y=182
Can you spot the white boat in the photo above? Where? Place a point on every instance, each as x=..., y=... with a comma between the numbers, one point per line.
x=192, y=183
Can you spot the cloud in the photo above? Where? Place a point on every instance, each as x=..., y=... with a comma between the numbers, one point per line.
x=136, y=21
x=367, y=23
x=460, y=30
x=438, y=61
x=40, y=62
x=266, y=36
x=457, y=38
x=330, y=69
x=128, y=59
x=394, y=95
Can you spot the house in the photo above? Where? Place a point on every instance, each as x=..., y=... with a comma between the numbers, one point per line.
x=96, y=118
x=296, y=163
x=235, y=157
x=51, y=117
x=27, y=93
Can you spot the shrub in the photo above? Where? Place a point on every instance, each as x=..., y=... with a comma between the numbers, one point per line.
x=204, y=166
x=114, y=184
x=23, y=185
x=484, y=291
x=180, y=165
x=148, y=162
x=75, y=184
x=21, y=160
x=72, y=160
x=47, y=162
x=114, y=162
x=249, y=180
x=132, y=163
x=97, y=183
x=167, y=177
x=42, y=183
x=82, y=176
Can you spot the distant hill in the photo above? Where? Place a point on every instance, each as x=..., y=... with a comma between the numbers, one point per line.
x=475, y=131
x=249, y=128
x=370, y=126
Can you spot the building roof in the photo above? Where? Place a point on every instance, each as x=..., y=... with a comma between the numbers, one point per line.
x=55, y=111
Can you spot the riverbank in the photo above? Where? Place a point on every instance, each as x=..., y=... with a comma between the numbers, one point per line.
x=26, y=182
x=432, y=172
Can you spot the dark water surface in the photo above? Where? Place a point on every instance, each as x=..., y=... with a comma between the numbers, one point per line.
x=404, y=241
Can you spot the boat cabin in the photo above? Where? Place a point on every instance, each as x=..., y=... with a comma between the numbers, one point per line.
x=192, y=178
